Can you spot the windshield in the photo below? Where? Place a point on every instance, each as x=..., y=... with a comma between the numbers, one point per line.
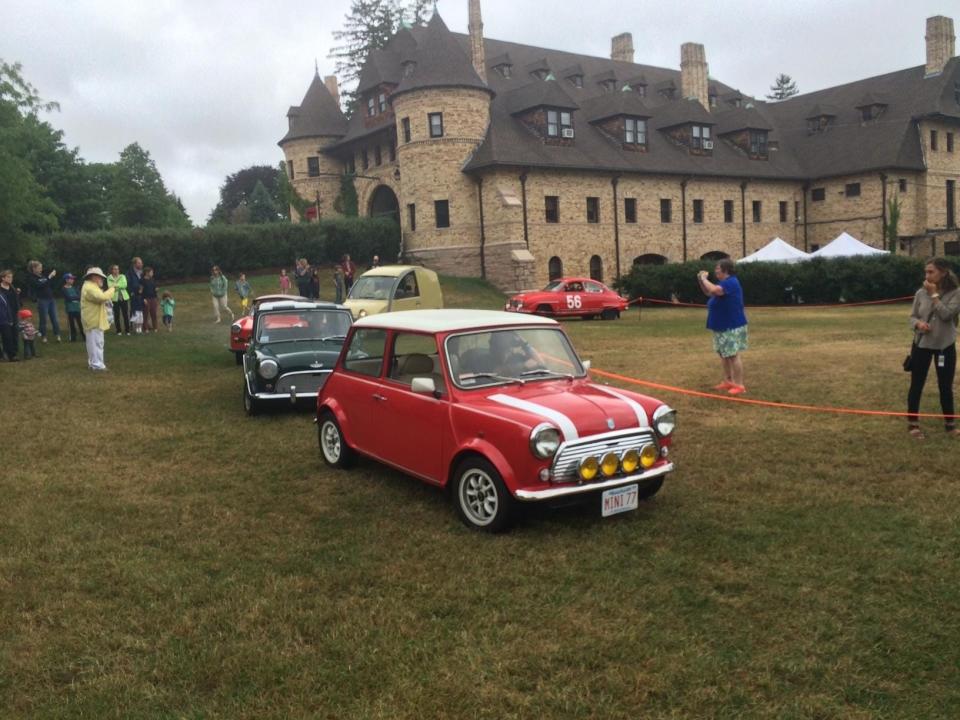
x=518, y=355
x=294, y=325
x=372, y=287
x=554, y=286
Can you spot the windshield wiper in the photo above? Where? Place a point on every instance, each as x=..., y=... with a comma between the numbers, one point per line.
x=477, y=375
x=545, y=371
x=333, y=337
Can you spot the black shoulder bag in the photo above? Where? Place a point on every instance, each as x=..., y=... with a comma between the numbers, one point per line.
x=908, y=360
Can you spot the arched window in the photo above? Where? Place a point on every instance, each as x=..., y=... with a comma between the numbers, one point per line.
x=555, y=268
x=596, y=268
x=650, y=259
x=714, y=255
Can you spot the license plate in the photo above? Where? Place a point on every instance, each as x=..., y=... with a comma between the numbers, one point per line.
x=618, y=500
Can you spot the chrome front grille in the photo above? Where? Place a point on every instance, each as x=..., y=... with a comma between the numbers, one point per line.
x=567, y=460
x=305, y=382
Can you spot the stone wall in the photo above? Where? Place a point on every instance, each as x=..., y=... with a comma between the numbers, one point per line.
x=860, y=216
x=326, y=186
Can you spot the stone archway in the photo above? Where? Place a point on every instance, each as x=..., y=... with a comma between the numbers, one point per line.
x=650, y=259
x=384, y=203
x=715, y=255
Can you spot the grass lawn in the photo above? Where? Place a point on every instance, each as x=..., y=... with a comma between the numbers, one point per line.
x=163, y=556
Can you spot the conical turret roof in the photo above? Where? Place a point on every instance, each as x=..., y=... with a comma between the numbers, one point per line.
x=440, y=61
x=318, y=115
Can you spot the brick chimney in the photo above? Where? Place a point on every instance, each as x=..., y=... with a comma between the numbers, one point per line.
x=331, y=82
x=475, y=29
x=621, y=47
x=694, y=73
x=940, y=43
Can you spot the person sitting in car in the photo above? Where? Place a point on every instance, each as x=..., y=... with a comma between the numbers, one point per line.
x=512, y=355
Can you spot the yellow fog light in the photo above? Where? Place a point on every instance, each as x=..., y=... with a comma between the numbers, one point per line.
x=648, y=456
x=630, y=461
x=589, y=467
x=610, y=464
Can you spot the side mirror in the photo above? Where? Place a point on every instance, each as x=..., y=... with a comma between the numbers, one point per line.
x=586, y=365
x=424, y=385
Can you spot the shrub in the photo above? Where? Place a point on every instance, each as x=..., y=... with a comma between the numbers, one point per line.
x=831, y=280
x=189, y=253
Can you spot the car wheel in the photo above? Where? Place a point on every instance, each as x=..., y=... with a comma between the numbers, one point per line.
x=649, y=488
x=250, y=404
x=544, y=310
x=239, y=356
x=482, y=500
x=609, y=314
x=333, y=446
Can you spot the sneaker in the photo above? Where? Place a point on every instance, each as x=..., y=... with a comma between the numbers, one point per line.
x=58, y=339
x=43, y=339
x=725, y=385
x=736, y=390
x=128, y=334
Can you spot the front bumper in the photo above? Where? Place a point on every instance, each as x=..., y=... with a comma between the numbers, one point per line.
x=568, y=490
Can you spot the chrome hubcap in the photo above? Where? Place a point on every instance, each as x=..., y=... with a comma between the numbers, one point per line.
x=478, y=497
x=330, y=441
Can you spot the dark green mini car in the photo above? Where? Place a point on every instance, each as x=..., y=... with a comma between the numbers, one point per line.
x=292, y=351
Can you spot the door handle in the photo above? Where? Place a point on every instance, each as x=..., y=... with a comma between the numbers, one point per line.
x=378, y=397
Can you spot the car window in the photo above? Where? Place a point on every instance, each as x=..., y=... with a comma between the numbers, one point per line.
x=413, y=356
x=297, y=325
x=372, y=287
x=575, y=287
x=407, y=287
x=593, y=287
x=555, y=286
x=503, y=356
x=365, y=353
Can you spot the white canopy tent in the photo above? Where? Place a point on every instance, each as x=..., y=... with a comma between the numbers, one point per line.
x=845, y=245
x=777, y=250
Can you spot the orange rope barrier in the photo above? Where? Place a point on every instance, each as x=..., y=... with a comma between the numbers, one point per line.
x=764, y=403
x=657, y=301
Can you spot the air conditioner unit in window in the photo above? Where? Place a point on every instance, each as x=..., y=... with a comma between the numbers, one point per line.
x=568, y=132
x=708, y=144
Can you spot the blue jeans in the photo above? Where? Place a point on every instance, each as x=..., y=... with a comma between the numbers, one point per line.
x=44, y=308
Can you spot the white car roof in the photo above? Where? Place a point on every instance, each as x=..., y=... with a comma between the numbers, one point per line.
x=433, y=321
x=293, y=305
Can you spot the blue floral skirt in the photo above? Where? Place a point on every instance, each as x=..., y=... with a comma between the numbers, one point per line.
x=729, y=343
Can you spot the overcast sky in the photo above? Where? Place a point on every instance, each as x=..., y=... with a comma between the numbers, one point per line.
x=205, y=86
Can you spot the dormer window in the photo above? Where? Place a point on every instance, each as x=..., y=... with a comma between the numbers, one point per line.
x=871, y=112
x=634, y=131
x=608, y=85
x=712, y=100
x=408, y=67
x=819, y=123
x=559, y=124
x=736, y=102
x=667, y=93
x=371, y=106
x=700, y=137
x=576, y=80
x=640, y=89
x=540, y=74
x=382, y=102
x=504, y=70
x=758, y=142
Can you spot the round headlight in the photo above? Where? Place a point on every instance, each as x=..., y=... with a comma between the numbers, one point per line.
x=589, y=467
x=544, y=441
x=630, y=460
x=362, y=313
x=648, y=455
x=235, y=328
x=609, y=464
x=664, y=420
x=268, y=369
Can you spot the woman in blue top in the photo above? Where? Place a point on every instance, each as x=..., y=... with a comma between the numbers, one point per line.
x=725, y=316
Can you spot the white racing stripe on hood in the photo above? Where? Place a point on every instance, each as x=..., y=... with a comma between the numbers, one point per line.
x=565, y=424
x=634, y=405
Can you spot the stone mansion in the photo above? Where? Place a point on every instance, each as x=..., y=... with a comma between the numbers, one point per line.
x=519, y=164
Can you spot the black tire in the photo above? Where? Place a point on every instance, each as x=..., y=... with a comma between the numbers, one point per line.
x=333, y=446
x=544, y=310
x=481, y=499
x=239, y=356
x=251, y=405
x=610, y=314
x=649, y=488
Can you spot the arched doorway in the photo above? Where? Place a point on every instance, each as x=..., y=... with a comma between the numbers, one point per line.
x=714, y=255
x=384, y=203
x=555, y=268
x=596, y=268
x=650, y=259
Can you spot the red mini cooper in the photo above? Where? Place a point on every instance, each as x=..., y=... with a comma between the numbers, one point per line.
x=242, y=328
x=570, y=297
x=495, y=407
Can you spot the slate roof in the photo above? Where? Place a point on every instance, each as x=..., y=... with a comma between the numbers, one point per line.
x=441, y=61
x=317, y=115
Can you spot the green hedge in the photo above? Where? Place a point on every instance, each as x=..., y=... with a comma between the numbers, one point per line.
x=857, y=279
x=177, y=254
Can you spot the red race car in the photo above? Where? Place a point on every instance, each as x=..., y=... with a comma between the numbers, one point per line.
x=242, y=329
x=570, y=297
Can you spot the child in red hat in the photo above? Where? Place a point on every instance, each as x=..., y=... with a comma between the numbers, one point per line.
x=28, y=332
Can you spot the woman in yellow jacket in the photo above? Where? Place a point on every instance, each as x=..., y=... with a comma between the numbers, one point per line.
x=93, y=314
x=121, y=301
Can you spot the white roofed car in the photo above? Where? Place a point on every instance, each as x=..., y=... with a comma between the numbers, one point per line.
x=495, y=406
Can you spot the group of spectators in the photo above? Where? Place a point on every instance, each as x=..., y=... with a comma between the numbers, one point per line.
x=307, y=278
x=101, y=302
x=933, y=318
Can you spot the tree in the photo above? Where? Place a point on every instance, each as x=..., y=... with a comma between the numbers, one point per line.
x=138, y=196
x=367, y=27
x=782, y=88
x=238, y=188
x=262, y=207
x=347, y=201
x=289, y=197
x=893, y=223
